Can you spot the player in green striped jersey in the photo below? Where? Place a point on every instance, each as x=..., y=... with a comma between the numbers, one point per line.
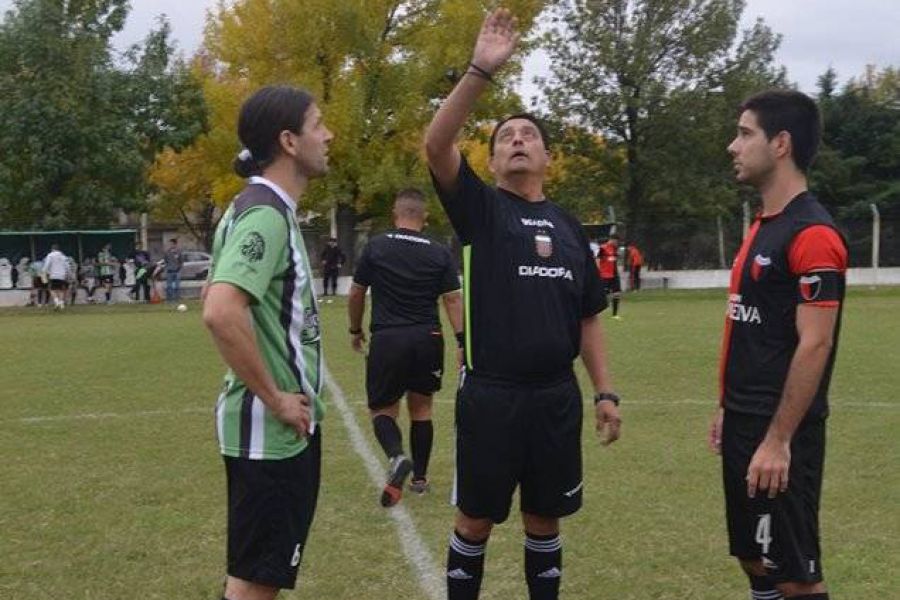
x=106, y=263
x=260, y=308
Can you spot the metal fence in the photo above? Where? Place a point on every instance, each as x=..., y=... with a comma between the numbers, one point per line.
x=703, y=243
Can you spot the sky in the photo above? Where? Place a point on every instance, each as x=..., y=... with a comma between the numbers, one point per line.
x=844, y=34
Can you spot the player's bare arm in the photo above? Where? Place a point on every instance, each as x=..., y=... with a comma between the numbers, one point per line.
x=495, y=45
x=593, y=355
x=453, y=307
x=770, y=466
x=226, y=314
x=714, y=439
x=356, y=309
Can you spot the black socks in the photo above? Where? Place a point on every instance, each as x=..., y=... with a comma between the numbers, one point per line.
x=543, y=565
x=465, y=567
x=421, y=438
x=388, y=435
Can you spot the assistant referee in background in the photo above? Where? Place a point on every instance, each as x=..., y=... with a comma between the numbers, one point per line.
x=407, y=272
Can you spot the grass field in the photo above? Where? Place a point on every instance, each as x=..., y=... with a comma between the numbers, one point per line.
x=111, y=486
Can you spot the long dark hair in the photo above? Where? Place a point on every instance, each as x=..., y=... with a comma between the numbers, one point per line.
x=263, y=117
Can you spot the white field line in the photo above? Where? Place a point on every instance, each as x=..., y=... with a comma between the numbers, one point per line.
x=430, y=577
x=628, y=403
x=111, y=415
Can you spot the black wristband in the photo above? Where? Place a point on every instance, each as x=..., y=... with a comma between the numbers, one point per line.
x=460, y=338
x=355, y=331
x=479, y=72
x=601, y=396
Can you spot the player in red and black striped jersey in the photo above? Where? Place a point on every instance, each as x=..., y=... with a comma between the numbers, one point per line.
x=608, y=267
x=778, y=350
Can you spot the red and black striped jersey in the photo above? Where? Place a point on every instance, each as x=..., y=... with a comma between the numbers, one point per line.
x=607, y=257
x=794, y=257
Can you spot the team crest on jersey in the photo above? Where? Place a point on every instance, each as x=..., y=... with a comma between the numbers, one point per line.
x=543, y=244
x=760, y=263
x=253, y=248
x=810, y=287
x=310, y=331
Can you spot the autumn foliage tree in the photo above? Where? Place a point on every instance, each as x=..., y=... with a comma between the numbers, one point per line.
x=378, y=69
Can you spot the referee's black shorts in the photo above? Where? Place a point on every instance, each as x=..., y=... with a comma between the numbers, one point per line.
x=784, y=531
x=510, y=435
x=403, y=359
x=270, y=509
x=612, y=285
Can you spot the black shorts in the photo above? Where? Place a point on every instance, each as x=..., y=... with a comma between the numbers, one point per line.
x=403, y=359
x=513, y=434
x=106, y=279
x=612, y=285
x=784, y=531
x=270, y=509
x=59, y=284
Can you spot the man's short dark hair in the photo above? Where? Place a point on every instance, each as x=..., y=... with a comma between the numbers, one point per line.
x=528, y=117
x=173, y=240
x=793, y=112
x=411, y=194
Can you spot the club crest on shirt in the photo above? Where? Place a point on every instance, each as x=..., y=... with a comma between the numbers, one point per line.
x=760, y=263
x=810, y=286
x=543, y=244
x=253, y=248
x=309, y=331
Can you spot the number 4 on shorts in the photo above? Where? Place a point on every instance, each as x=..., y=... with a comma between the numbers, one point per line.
x=764, y=532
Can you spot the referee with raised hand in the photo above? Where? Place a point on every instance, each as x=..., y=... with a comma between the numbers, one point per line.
x=532, y=297
x=407, y=272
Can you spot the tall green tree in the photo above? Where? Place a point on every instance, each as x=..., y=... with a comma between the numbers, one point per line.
x=859, y=163
x=78, y=129
x=659, y=80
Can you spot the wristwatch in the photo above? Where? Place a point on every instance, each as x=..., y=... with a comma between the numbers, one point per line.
x=601, y=396
x=355, y=331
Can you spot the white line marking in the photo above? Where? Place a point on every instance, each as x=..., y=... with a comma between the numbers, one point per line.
x=431, y=579
x=109, y=415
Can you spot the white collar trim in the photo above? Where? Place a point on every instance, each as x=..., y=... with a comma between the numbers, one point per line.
x=277, y=189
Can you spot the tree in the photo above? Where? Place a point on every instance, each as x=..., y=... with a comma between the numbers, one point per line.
x=192, y=183
x=859, y=162
x=660, y=79
x=78, y=130
x=377, y=68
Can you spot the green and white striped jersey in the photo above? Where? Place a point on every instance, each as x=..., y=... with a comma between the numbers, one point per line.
x=258, y=248
x=105, y=259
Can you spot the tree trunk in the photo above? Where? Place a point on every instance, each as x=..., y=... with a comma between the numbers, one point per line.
x=346, y=217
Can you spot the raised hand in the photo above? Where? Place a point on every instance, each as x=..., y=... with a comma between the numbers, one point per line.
x=496, y=41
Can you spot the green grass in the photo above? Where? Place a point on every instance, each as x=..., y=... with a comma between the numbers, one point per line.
x=112, y=487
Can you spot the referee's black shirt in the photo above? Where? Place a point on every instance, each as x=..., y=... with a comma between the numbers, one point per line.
x=407, y=273
x=529, y=280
